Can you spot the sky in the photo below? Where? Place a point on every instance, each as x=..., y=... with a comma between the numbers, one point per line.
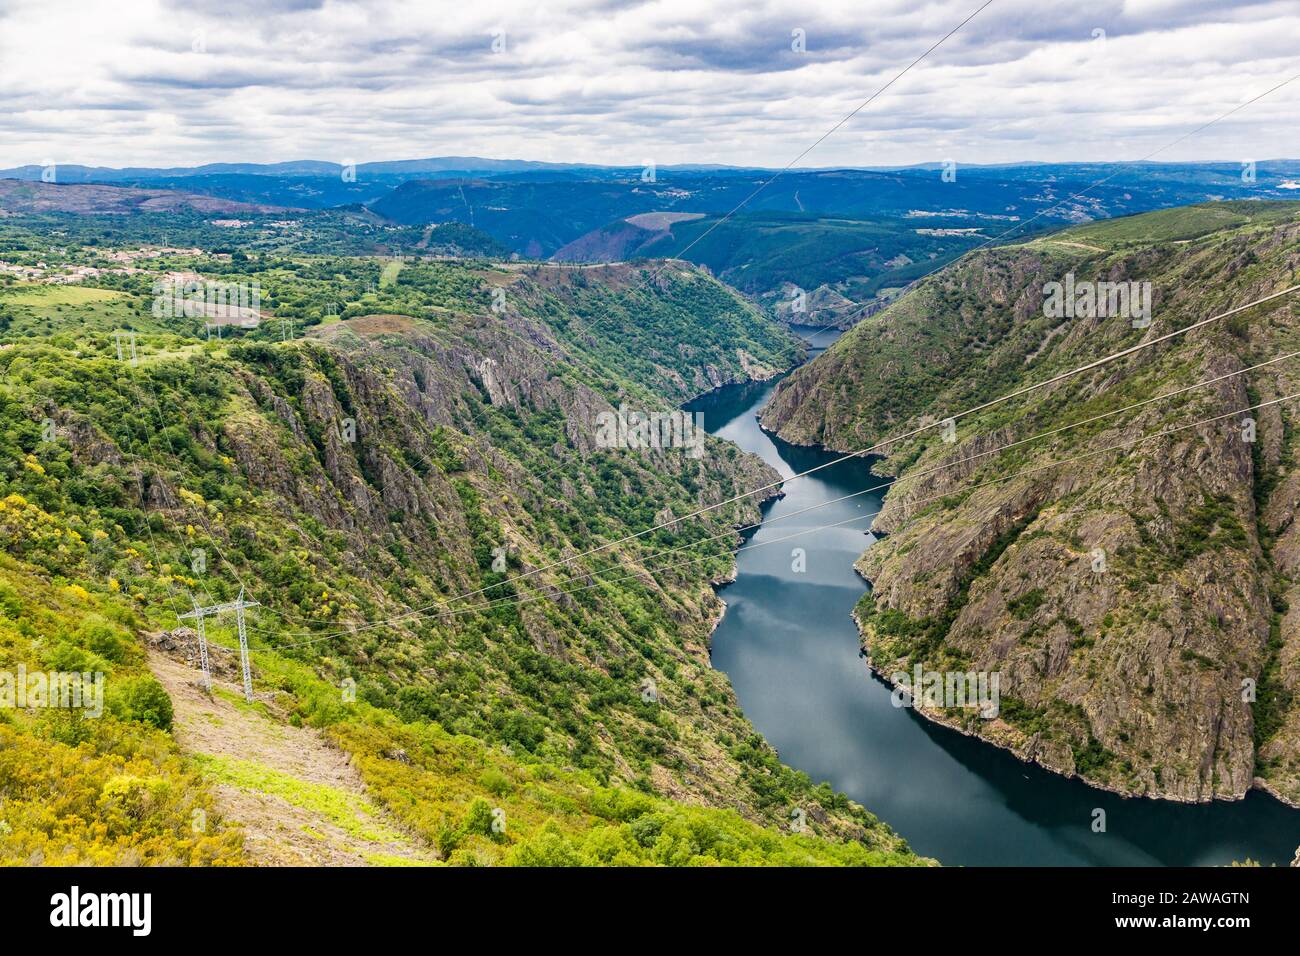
x=741, y=82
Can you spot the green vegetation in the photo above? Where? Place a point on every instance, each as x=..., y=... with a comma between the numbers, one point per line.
x=80, y=790
x=207, y=466
x=859, y=257
x=1155, y=556
x=1183, y=223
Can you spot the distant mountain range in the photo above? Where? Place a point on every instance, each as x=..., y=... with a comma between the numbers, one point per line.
x=420, y=168
x=402, y=168
x=859, y=234
x=547, y=205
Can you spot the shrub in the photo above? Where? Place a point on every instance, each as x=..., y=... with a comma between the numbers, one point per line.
x=109, y=642
x=144, y=699
x=478, y=819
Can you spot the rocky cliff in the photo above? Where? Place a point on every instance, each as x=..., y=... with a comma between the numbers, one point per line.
x=423, y=508
x=1131, y=579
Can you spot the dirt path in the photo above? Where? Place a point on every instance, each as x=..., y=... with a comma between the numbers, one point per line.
x=297, y=798
x=1076, y=245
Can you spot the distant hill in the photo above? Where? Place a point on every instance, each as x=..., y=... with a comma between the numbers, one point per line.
x=808, y=269
x=624, y=239
x=311, y=168
x=538, y=216
x=537, y=208
x=73, y=172
x=37, y=197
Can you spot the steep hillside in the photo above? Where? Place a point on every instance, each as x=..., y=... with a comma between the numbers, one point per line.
x=846, y=267
x=538, y=215
x=373, y=486
x=1135, y=600
x=624, y=239
x=79, y=788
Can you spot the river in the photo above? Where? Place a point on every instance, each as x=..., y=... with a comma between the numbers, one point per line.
x=791, y=651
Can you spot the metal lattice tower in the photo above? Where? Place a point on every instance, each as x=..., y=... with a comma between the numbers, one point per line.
x=243, y=647
x=128, y=337
x=203, y=651
x=238, y=606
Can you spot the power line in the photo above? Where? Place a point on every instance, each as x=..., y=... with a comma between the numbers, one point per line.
x=984, y=454
x=539, y=595
x=1078, y=195
x=889, y=441
x=884, y=485
x=826, y=135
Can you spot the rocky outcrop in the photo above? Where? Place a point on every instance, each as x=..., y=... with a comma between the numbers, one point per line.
x=1131, y=591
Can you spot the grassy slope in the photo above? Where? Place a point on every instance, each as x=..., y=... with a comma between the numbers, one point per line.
x=234, y=449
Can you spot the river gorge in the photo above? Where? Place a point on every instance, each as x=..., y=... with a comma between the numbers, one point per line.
x=791, y=650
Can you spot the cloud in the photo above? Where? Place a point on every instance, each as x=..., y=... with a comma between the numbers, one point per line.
x=156, y=82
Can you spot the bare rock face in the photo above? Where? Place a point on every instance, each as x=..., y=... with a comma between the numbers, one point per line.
x=485, y=371
x=175, y=640
x=87, y=445
x=1127, y=572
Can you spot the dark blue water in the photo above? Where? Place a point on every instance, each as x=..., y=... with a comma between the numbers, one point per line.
x=791, y=650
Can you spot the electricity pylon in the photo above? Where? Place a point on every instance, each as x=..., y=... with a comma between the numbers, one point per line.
x=238, y=606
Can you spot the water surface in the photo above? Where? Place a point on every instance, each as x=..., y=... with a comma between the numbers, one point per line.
x=791, y=650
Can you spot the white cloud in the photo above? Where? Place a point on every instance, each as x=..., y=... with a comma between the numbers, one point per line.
x=146, y=82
